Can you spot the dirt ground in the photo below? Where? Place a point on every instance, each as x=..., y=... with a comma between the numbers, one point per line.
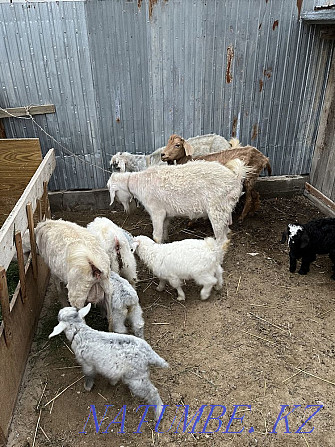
x=245, y=345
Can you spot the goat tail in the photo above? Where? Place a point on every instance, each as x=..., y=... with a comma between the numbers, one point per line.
x=156, y=360
x=239, y=168
x=234, y=142
x=268, y=168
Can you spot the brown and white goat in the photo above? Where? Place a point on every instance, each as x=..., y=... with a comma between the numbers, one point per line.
x=179, y=150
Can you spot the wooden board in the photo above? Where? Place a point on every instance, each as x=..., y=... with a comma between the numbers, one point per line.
x=17, y=220
x=22, y=111
x=19, y=160
x=322, y=175
x=13, y=357
x=318, y=195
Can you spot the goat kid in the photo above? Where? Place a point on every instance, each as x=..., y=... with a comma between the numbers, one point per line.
x=176, y=262
x=114, y=356
x=307, y=240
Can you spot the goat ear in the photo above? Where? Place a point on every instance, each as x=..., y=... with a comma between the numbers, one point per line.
x=58, y=329
x=284, y=237
x=304, y=241
x=84, y=311
x=188, y=149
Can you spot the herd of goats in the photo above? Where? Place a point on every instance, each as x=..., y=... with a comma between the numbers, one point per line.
x=200, y=177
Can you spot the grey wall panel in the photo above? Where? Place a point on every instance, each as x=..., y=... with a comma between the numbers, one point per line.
x=124, y=76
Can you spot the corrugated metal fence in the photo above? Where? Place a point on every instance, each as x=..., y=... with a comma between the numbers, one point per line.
x=125, y=74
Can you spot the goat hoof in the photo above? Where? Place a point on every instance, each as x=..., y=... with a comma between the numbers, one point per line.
x=302, y=272
x=180, y=298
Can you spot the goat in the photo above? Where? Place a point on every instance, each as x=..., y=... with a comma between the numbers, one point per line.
x=202, y=144
x=193, y=190
x=181, y=151
x=117, y=242
x=307, y=240
x=76, y=258
x=195, y=259
x=114, y=356
x=124, y=304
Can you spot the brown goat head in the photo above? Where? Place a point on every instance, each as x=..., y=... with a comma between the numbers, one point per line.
x=176, y=149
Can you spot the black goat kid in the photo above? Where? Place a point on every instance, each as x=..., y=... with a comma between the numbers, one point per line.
x=308, y=240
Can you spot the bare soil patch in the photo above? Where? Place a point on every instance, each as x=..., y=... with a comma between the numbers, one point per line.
x=245, y=345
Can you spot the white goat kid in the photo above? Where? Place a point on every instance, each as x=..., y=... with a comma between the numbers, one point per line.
x=124, y=305
x=114, y=356
x=197, y=189
x=118, y=244
x=76, y=258
x=201, y=145
x=195, y=259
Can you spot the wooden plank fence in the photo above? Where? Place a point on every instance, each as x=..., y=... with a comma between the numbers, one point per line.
x=20, y=315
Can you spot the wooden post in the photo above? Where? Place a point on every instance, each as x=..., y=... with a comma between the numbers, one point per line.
x=20, y=262
x=30, y=216
x=47, y=211
x=4, y=301
x=39, y=210
x=2, y=130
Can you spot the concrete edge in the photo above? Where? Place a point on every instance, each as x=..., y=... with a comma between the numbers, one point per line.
x=98, y=199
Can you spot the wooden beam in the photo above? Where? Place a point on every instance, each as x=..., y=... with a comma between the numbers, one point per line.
x=30, y=217
x=47, y=211
x=20, y=262
x=318, y=194
x=17, y=220
x=22, y=111
x=322, y=17
x=4, y=301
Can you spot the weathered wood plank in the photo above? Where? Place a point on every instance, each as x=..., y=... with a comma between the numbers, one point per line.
x=20, y=263
x=19, y=159
x=4, y=301
x=319, y=17
x=17, y=219
x=323, y=163
x=24, y=318
x=318, y=194
x=30, y=217
x=22, y=111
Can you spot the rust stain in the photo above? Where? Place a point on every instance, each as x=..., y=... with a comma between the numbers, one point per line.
x=230, y=55
x=299, y=5
x=266, y=1
x=151, y=6
x=267, y=72
x=254, y=132
x=261, y=85
x=275, y=24
x=233, y=131
x=118, y=120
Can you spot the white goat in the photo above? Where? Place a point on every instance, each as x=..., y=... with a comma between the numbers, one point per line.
x=124, y=304
x=114, y=356
x=202, y=144
x=117, y=243
x=75, y=256
x=197, y=189
x=197, y=259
